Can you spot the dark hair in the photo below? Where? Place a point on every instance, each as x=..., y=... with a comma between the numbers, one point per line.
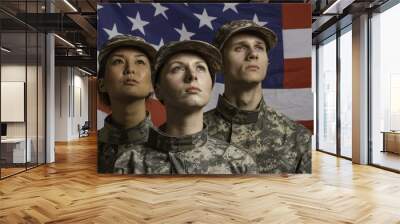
x=100, y=75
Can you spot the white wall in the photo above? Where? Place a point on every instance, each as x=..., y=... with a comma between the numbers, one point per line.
x=81, y=83
x=100, y=119
x=71, y=93
x=61, y=103
x=13, y=72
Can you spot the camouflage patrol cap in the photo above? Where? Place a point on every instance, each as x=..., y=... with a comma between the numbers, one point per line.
x=125, y=41
x=227, y=30
x=208, y=52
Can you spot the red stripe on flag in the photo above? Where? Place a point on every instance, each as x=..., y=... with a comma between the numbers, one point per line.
x=308, y=124
x=296, y=16
x=297, y=73
x=157, y=112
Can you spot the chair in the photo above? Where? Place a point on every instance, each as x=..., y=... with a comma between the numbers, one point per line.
x=84, y=130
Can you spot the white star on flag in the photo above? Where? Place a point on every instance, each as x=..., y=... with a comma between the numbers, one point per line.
x=160, y=10
x=119, y=5
x=99, y=7
x=255, y=19
x=138, y=23
x=159, y=45
x=185, y=35
x=113, y=32
x=205, y=19
x=231, y=6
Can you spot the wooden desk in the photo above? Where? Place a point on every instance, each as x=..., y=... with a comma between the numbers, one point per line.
x=13, y=150
x=391, y=141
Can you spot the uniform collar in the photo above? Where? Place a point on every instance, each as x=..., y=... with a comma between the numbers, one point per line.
x=236, y=115
x=115, y=134
x=166, y=143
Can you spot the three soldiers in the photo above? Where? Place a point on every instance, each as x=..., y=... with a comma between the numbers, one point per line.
x=252, y=137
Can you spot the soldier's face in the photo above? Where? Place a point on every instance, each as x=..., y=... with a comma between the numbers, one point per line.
x=127, y=75
x=185, y=82
x=245, y=59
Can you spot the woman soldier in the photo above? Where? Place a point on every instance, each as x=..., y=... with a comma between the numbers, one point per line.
x=124, y=82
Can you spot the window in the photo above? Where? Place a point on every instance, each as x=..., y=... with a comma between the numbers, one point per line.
x=385, y=88
x=346, y=75
x=327, y=96
x=22, y=74
x=334, y=137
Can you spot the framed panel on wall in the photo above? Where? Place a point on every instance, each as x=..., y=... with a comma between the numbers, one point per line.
x=12, y=98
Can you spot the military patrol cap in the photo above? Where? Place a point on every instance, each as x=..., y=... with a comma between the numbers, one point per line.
x=125, y=41
x=208, y=52
x=227, y=30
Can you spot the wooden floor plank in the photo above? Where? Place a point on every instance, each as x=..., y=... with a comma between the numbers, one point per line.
x=70, y=191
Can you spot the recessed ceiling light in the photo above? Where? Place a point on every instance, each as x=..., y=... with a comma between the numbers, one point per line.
x=5, y=50
x=337, y=7
x=84, y=71
x=64, y=40
x=70, y=5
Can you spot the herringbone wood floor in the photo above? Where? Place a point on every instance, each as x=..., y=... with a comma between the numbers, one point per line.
x=70, y=191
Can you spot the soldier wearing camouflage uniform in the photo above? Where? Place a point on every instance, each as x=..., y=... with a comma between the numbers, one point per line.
x=124, y=80
x=242, y=117
x=183, y=79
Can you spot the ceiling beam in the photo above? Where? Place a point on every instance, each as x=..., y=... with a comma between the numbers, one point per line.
x=90, y=31
x=82, y=61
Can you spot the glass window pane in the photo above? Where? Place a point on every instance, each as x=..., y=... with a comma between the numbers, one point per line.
x=14, y=146
x=22, y=76
x=327, y=97
x=31, y=97
x=385, y=89
x=41, y=98
x=346, y=94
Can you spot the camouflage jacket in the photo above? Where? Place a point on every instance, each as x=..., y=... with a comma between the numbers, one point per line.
x=191, y=154
x=278, y=144
x=113, y=140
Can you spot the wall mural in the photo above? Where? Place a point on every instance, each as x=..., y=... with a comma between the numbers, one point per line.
x=204, y=88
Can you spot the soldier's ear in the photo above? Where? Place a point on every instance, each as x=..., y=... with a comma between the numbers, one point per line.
x=102, y=87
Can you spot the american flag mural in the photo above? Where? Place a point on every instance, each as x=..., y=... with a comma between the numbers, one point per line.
x=287, y=87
